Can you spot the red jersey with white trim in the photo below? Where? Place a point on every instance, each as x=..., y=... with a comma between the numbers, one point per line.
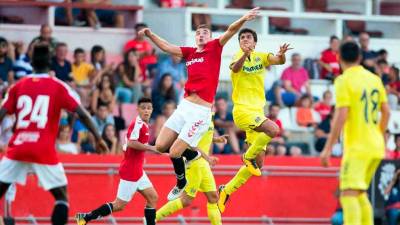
x=203, y=70
x=37, y=101
x=131, y=168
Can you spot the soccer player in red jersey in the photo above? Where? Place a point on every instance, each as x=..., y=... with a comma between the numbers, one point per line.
x=192, y=118
x=133, y=178
x=37, y=101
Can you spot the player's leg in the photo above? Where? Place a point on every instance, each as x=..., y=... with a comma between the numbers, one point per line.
x=214, y=215
x=150, y=194
x=165, y=139
x=174, y=206
x=11, y=171
x=61, y=206
x=265, y=132
x=351, y=207
x=3, y=188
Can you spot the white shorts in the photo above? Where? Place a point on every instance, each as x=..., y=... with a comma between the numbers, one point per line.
x=190, y=121
x=126, y=189
x=50, y=176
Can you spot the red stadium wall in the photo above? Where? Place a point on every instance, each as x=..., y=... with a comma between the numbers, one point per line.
x=293, y=187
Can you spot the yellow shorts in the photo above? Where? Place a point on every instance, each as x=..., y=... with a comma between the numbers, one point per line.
x=247, y=120
x=356, y=172
x=200, y=178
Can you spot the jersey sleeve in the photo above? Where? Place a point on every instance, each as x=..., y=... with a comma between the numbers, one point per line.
x=136, y=131
x=69, y=98
x=265, y=57
x=342, y=93
x=10, y=100
x=186, y=51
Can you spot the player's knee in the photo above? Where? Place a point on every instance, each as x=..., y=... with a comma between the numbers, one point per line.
x=118, y=205
x=152, y=200
x=272, y=130
x=186, y=202
x=212, y=197
x=160, y=147
x=260, y=159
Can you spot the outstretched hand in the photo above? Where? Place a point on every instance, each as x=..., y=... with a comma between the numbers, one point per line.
x=252, y=14
x=284, y=48
x=144, y=32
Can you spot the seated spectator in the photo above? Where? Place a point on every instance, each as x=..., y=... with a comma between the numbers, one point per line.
x=294, y=83
x=82, y=73
x=322, y=131
x=98, y=57
x=143, y=49
x=304, y=115
x=82, y=137
x=329, y=60
x=22, y=63
x=6, y=67
x=174, y=66
x=163, y=93
x=45, y=36
x=369, y=57
x=393, y=88
x=395, y=153
x=104, y=94
x=383, y=55
x=295, y=151
x=279, y=140
x=392, y=200
x=224, y=125
x=382, y=69
x=110, y=137
x=102, y=117
x=167, y=110
x=130, y=82
x=100, y=17
x=6, y=131
x=281, y=152
x=64, y=143
x=324, y=107
x=60, y=65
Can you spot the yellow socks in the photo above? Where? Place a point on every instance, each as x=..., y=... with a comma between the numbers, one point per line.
x=367, y=214
x=168, y=209
x=213, y=214
x=351, y=210
x=240, y=178
x=259, y=144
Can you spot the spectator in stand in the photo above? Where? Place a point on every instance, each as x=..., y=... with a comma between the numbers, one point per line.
x=393, y=88
x=163, y=93
x=395, y=153
x=98, y=57
x=295, y=151
x=22, y=63
x=60, y=65
x=383, y=55
x=6, y=67
x=100, y=17
x=45, y=37
x=102, y=118
x=6, y=131
x=392, y=202
x=224, y=125
x=144, y=51
x=304, y=115
x=278, y=141
x=64, y=143
x=382, y=69
x=130, y=80
x=104, y=94
x=110, y=137
x=294, y=83
x=324, y=108
x=82, y=73
x=167, y=110
x=369, y=57
x=174, y=66
x=329, y=60
x=322, y=131
x=80, y=136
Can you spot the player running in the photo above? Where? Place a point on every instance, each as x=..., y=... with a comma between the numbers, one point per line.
x=360, y=98
x=200, y=178
x=191, y=119
x=248, y=96
x=37, y=101
x=133, y=178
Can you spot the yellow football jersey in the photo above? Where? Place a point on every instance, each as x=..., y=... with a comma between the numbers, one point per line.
x=363, y=93
x=248, y=83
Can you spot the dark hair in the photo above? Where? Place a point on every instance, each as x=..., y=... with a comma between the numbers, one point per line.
x=332, y=38
x=110, y=78
x=96, y=49
x=396, y=136
x=138, y=25
x=350, y=52
x=203, y=26
x=44, y=26
x=101, y=105
x=325, y=93
x=248, y=30
x=144, y=100
x=79, y=51
x=61, y=44
x=129, y=70
x=170, y=92
x=3, y=40
x=104, y=136
x=168, y=102
x=41, y=57
x=382, y=51
x=220, y=98
x=272, y=106
x=381, y=61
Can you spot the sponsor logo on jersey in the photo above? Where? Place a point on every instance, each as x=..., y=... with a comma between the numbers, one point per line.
x=24, y=137
x=195, y=60
x=252, y=68
x=194, y=128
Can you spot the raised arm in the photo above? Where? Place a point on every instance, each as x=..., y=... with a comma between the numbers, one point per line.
x=161, y=43
x=235, y=26
x=280, y=57
x=237, y=65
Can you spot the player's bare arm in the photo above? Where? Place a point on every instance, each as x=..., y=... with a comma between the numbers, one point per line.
x=141, y=147
x=338, y=121
x=237, y=66
x=85, y=117
x=161, y=43
x=235, y=26
x=280, y=57
x=385, y=114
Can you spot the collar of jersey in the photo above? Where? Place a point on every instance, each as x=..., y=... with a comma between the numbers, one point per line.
x=39, y=75
x=353, y=68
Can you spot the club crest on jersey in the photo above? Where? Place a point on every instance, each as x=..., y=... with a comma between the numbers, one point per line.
x=257, y=59
x=196, y=60
x=258, y=119
x=194, y=127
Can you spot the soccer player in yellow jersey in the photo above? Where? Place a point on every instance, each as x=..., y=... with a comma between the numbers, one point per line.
x=200, y=178
x=248, y=96
x=360, y=98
